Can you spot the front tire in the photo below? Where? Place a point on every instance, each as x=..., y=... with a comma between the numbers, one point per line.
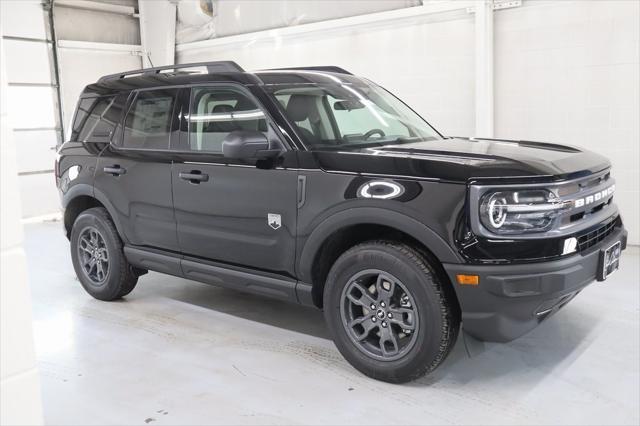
x=98, y=258
x=389, y=313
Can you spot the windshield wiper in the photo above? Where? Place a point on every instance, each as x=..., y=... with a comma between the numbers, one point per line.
x=405, y=140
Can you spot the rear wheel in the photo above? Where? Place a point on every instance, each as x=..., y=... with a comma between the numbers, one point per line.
x=98, y=258
x=390, y=315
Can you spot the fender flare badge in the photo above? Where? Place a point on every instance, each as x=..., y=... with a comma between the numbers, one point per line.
x=274, y=220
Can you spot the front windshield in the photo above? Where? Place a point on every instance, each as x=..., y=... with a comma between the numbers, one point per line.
x=350, y=116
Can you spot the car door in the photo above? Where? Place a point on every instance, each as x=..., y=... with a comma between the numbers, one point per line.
x=230, y=211
x=134, y=173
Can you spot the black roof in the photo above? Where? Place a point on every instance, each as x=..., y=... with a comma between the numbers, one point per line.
x=222, y=71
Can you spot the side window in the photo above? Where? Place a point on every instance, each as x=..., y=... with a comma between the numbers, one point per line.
x=284, y=99
x=216, y=112
x=148, y=122
x=308, y=113
x=88, y=116
x=105, y=129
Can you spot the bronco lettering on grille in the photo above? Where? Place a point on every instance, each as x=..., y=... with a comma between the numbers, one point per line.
x=589, y=199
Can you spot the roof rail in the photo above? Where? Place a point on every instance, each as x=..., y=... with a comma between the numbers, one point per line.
x=212, y=67
x=327, y=68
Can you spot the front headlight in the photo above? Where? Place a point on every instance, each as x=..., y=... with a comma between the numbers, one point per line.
x=518, y=212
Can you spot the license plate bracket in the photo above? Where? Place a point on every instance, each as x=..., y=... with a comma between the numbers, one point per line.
x=609, y=260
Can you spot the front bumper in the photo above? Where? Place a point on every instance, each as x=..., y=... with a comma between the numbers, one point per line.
x=510, y=300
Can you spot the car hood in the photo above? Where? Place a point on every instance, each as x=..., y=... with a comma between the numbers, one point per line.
x=461, y=160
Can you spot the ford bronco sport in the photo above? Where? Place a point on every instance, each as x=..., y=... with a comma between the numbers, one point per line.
x=321, y=188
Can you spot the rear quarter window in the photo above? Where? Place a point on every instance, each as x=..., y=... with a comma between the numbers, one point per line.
x=96, y=119
x=88, y=115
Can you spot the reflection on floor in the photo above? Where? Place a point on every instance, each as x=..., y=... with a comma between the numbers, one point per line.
x=179, y=352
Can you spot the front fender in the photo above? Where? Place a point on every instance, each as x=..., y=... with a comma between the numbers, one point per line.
x=371, y=216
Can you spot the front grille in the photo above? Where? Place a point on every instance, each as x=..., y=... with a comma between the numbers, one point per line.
x=593, y=237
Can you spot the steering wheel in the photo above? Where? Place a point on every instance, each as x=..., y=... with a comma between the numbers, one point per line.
x=374, y=132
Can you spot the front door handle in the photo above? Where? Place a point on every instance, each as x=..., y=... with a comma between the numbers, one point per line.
x=195, y=176
x=115, y=170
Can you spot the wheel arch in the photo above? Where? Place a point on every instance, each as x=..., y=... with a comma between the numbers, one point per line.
x=350, y=227
x=82, y=197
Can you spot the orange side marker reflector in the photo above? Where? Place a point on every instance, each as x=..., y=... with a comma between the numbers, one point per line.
x=468, y=279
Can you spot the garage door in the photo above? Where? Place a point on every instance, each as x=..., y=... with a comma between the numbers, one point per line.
x=34, y=113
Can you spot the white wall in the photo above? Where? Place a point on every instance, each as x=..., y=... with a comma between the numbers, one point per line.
x=428, y=64
x=199, y=20
x=32, y=98
x=569, y=72
x=20, y=400
x=565, y=72
x=158, y=32
x=73, y=23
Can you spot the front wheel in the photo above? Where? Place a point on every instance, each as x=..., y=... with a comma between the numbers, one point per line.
x=389, y=314
x=98, y=258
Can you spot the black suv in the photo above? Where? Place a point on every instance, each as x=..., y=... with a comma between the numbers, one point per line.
x=318, y=187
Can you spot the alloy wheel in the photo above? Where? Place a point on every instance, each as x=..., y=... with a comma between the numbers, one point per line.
x=379, y=314
x=93, y=255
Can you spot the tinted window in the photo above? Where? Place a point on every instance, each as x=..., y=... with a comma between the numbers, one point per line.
x=88, y=116
x=148, y=122
x=83, y=109
x=105, y=129
x=215, y=112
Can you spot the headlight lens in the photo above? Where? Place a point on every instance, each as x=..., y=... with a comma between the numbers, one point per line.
x=518, y=212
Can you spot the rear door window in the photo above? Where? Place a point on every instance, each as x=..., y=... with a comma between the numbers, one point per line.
x=148, y=122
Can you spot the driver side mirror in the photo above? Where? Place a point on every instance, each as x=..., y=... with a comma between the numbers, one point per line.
x=248, y=144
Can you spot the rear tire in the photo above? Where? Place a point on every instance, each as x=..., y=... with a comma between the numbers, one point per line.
x=389, y=313
x=98, y=257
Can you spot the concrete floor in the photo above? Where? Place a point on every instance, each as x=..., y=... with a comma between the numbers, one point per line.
x=179, y=352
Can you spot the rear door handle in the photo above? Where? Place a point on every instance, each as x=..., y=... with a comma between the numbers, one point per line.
x=115, y=170
x=195, y=176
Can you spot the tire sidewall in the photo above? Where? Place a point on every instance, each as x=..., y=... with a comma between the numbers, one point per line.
x=389, y=259
x=111, y=287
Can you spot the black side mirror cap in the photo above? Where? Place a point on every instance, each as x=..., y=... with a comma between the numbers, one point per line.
x=248, y=144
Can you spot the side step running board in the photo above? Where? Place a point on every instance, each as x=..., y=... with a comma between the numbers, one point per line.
x=279, y=288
